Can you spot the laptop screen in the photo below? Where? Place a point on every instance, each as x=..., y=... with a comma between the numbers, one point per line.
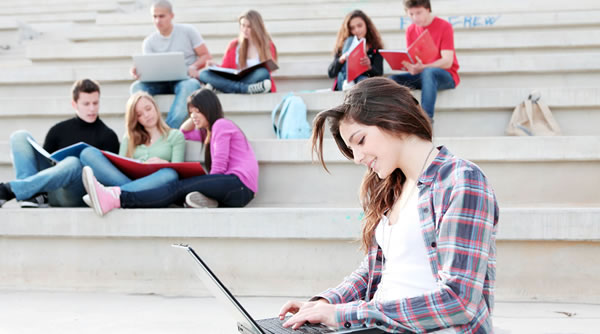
x=221, y=293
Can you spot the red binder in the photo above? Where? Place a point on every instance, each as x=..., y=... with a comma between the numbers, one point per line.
x=135, y=169
x=395, y=58
x=423, y=47
x=354, y=67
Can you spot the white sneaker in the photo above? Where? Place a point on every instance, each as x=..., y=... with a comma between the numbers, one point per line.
x=347, y=85
x=260, y=87
x=86, y=199
x=198, y=200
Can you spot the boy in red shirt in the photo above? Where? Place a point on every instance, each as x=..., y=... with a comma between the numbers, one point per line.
x=440, y=74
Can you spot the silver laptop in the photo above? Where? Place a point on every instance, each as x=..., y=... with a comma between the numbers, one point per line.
x=245, y=323
x=168, y=66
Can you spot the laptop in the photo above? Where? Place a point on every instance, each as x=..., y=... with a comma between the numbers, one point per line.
x=168, y=66
x=245, y=323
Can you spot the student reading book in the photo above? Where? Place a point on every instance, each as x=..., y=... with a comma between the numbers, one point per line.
x=233, y=170
x=356, y=25
x=429, y=76
x=148, y=139
x=36, y=176
x=253, y=46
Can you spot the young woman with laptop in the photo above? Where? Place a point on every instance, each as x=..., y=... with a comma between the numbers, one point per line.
x=429, y=230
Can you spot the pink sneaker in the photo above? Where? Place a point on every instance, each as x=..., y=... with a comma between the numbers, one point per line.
x=103, y=199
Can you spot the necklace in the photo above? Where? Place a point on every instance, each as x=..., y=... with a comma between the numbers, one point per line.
x=412, y=190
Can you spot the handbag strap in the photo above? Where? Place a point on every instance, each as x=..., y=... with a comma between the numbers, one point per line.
x=549, y=117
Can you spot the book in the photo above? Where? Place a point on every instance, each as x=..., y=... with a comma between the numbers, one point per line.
x=59, y=155
x=356, y=52
x=423, y=47
x=396, y=58
x=236, y=74
x=136, y=169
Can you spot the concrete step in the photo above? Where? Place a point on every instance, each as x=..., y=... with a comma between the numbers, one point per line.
x=129, y=251
x=316, y=69
x=518, y=168
x=392, y=24
x=104, y=6
x=337, y=10
x=65, y=313
x=468, y=40
x=460, y=112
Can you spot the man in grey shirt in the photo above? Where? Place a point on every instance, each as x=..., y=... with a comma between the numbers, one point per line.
x=170, y=37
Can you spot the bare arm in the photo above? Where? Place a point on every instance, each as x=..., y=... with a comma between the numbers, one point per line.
x=203, y=56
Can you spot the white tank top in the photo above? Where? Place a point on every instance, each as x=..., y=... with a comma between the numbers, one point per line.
x=407, y=272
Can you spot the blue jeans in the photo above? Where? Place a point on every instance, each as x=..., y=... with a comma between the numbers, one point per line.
x=429, y=82
x=182, y=89
x=36, y=175
x=234, y=86
x=228, y=190
x=109, y=175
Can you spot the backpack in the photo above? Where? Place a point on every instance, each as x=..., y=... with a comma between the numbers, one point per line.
x=532, y=118
x=292, y=123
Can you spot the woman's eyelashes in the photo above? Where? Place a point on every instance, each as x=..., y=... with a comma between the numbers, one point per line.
x=362, y=140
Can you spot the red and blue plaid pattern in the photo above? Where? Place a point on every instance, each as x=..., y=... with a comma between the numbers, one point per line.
x=459, y=216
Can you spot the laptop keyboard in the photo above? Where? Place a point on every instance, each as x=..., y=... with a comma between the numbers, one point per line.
x=274, y=325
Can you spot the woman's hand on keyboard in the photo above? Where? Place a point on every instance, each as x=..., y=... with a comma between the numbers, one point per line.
x=313, y=312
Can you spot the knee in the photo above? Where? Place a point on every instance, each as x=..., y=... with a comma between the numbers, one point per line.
x=428, y=74
x=136, y=86
x=204, y=76
x=72, y=163
x=88, y=154
x=19, y=136
x=187, y=86
x=262, y=72
x=168, y=174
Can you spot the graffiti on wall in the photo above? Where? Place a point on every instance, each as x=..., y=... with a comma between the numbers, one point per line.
x=466, y=21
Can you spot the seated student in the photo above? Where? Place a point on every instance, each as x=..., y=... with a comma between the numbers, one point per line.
x=170, y=37
x=35, y=176
x=429, y=229
x=253, y=45
x=442, y=73
x=232, y=180
x=358, y=24
x=147, y=139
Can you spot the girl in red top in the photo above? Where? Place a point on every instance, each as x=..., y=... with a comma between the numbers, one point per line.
x=253, y=46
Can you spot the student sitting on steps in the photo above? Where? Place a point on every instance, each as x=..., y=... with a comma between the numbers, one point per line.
x=35, y=176
x=170, y=37
x=358, y=24
x=439, y=75
x=253, y=46
x=147, y=139
x=429, y=230
x=232, y=180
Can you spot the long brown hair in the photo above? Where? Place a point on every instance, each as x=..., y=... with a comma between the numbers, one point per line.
x=207, y=102
x=260, y=37
x=374, y=102
x=372, y=36
x=136, y=133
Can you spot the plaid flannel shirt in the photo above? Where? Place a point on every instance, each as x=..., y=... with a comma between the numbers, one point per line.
x=459, y=216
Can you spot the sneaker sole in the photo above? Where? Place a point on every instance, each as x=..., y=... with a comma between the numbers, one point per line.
x=210, y=203
x=29, y=205
x=88, y=184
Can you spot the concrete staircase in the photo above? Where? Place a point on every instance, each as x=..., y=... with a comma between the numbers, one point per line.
x=296, y=237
